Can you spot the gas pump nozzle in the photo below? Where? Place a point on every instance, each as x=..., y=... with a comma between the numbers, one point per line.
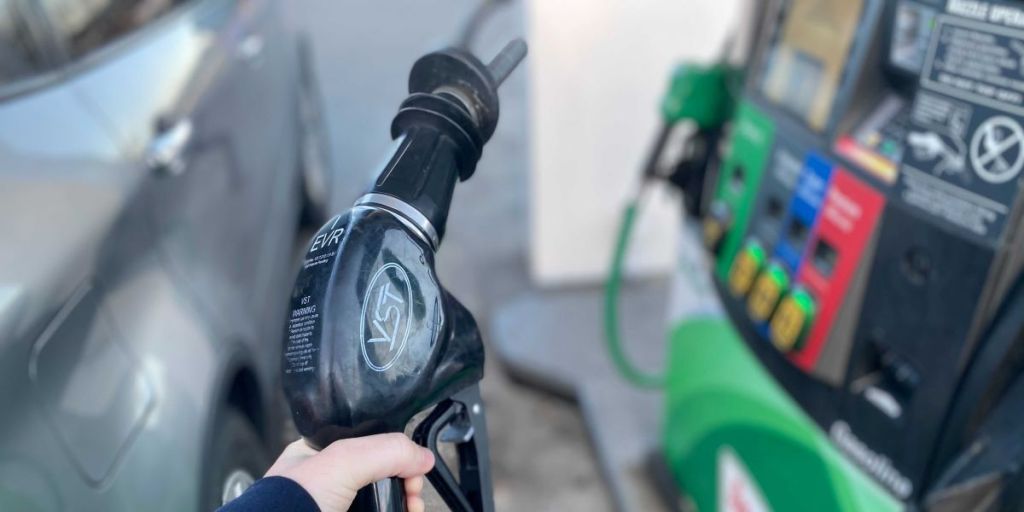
x=373, y=338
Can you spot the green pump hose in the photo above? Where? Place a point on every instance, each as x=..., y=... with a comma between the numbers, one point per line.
x=704, y=96
x=622, y=362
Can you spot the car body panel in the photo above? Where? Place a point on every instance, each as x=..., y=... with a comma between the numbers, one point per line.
x=129, y=297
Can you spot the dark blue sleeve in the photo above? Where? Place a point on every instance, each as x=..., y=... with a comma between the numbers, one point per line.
x=272, y=494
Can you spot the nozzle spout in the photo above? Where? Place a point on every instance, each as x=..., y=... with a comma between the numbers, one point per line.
x=507, y=59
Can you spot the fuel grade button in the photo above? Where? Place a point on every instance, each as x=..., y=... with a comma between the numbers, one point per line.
x=746, y=267
x=791, y=321
x=716, y=223
x=768, y=289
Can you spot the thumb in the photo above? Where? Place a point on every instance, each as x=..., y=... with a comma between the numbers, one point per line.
x=372, y=458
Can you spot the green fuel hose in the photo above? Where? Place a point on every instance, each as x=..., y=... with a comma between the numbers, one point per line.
x=623, y=364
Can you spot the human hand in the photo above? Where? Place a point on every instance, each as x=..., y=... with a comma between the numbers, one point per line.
x=333, y=475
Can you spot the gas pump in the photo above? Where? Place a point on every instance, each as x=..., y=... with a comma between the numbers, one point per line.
x=853, y=331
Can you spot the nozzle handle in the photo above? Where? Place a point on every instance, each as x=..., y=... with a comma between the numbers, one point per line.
x=386, y=495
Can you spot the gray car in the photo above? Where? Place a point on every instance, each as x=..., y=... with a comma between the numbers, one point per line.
x=153, y=160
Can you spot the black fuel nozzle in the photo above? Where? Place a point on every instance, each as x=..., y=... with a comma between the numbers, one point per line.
x=451, y=112
x=373, y=338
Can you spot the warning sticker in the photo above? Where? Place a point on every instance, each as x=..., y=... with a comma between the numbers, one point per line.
x=305, y=320
x=996, y=153
x=965, y=140
x=302, y=346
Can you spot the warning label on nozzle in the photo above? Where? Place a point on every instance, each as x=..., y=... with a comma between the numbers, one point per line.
x=301, y=347
x=305, y=319
x=965, y=143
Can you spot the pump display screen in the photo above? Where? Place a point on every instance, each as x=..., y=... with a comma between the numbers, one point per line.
x=807, y=57
x=911, y=31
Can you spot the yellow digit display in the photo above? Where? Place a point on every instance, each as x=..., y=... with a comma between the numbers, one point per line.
x=745, y=269
x=768, y=289
x=763, y=298
x=791, y=320
x=787, y=325
x=712, y=233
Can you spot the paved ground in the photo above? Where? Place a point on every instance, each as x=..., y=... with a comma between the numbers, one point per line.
x=540, y=452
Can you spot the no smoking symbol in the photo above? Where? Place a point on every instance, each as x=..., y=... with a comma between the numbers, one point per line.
x=997, y=149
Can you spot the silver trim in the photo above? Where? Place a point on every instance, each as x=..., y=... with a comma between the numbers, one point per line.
x=406, y=213
x=461, y=96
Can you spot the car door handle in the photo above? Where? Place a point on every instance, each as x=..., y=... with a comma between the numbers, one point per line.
x=166, y=152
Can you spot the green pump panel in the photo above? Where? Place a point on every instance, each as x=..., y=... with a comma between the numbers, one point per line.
x=723, y=409
x=750, y=144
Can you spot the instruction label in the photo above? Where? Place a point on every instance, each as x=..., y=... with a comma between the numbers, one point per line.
x=302, y=347
x=965, y=140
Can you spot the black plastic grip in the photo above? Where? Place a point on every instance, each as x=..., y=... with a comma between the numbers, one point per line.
x=383, y=495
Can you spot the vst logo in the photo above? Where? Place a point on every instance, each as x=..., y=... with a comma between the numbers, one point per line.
x=386, y=317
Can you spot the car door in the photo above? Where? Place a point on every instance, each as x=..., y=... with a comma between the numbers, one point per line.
x=58, y=198
x=94, y=334
x=266, y=131
x=172, y=91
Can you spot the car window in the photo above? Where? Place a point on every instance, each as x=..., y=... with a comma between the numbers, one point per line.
x=19, y=56
x=86, y=25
